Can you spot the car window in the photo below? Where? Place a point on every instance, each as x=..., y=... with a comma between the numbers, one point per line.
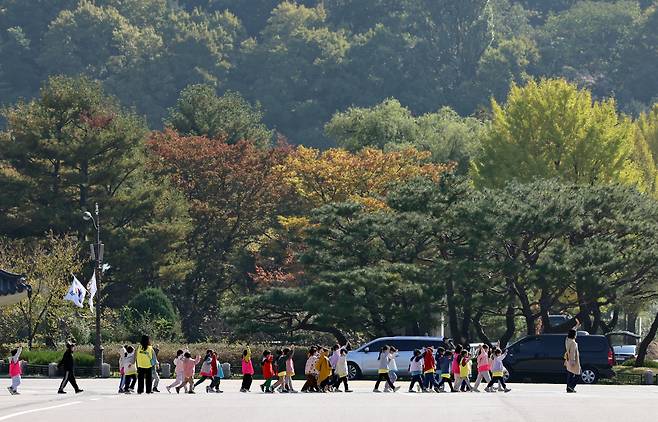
x=402, y=345
x=591, y=344
x=439, y=343
x=553, y=344
x=530, y=346
x=374, y=346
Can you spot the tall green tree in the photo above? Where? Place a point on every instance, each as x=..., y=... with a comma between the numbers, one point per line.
x=584, y=42
x=576, y=249
x=552, y=129
x=648, y=130
x=75, y=146
x=295, y=70
x=638, y=61
x=390, y=125
x=65, y=150
x=200, y=112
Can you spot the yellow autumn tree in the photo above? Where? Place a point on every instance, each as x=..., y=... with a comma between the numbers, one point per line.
x=552, y=129
x=337, y=175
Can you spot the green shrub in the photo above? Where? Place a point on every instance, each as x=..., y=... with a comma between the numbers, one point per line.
x=45, y=356
x=155, y=302
x=648, y=363
x=152, y=313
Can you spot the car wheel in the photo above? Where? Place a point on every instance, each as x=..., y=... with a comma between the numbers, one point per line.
x=589, y=376
x=353, y=371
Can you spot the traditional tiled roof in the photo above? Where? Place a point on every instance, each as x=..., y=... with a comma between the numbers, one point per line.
x=12, y=288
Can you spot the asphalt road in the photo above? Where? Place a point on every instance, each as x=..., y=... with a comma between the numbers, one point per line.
x=526, y=402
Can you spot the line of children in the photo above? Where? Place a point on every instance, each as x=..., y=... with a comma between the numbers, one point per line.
x=429, y=371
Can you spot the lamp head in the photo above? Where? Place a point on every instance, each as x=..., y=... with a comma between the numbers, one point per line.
x=87, y=216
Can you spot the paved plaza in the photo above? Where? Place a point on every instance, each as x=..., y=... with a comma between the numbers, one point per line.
x=526, y=402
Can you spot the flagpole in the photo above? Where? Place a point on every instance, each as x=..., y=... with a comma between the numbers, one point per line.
x=98, y=348
x=97, y=253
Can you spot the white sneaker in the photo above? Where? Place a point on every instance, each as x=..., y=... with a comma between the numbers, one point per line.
x=376, y=390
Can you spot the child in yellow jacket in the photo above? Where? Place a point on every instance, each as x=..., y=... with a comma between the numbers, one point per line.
x=324, y=368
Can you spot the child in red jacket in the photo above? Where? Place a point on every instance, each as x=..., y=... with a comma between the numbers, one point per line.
x=429, y=369
x=268, y=372
x=217, y=374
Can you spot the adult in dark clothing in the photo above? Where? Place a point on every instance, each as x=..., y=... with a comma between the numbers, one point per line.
x=67, y=365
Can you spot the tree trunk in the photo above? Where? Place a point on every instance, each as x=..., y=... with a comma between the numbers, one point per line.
x=338, y=334
x=631, y=321
x=646, y=341
x=480, y=329
x=452, y=311
x=510, y=325
x=466, y=320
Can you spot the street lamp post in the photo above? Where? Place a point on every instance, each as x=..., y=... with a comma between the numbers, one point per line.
x=97, y=254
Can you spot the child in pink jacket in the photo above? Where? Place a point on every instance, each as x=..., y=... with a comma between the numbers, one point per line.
x=189, y=365
x=247, y=370
x=15, y=370
x=483, y=367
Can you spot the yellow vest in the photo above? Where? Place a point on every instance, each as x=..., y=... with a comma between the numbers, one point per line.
x=144, y=357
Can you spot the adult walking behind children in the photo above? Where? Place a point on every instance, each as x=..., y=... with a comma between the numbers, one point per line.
x=67, y=365
x=572, y=359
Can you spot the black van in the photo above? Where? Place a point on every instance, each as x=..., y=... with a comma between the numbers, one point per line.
x=542, y=357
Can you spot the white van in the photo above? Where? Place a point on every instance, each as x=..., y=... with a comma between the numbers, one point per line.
x=363, y=361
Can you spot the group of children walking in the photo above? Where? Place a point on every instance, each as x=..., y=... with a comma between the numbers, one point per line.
x=431, y=370
x=326, y=370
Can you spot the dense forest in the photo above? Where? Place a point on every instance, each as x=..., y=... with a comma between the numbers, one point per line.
x=303, y=61
x=268, y=169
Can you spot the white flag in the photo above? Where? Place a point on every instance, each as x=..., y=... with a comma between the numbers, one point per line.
x=91, y=287
x=76, y=293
